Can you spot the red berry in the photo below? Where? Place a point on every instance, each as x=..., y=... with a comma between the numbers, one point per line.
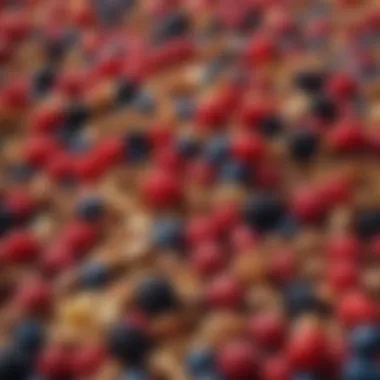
x=345, y=137
x=249, y=114
x=33, y=296
x=110, y=150
x=341, y=85
x=15, y=94
x=200, y=229
x=57, y=258
x=210, y=114
x=225, y=217
x=247, y=147
x=168, y=159
x=160, y=134
x=267, y=330
x=375, y=245
x=242, y=238
x=343, y=247
x=15, y=25
x=46, y=119
x=5, y=49
x=260, y=49
x=20, y=204
x=207, y=258
x=276, y=368
x=356, y=308
x=87, y=360
x=266, y=174
x=200, y=172
x=54, y=362
x=72, y=83
x=307, y=205
x=224, y=291
x=61, y=166
x=79, y=236
x=160, y=188
x=109, y=65
x=306, y=348
x=282, y=265
x=343, y=275
x=335, y=190
x=90, y=166
x=237, y=360
x=38, y=150
x=19, y=246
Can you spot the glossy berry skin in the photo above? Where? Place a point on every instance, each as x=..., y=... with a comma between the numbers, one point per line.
x=89, y=208
x=224, y=292
x=237, y=360
x=93, y=275
x=262, y=212
x=160, y=189
x=87, y=359
x=358, y=369
x=343, y=247
x=29, y=335
x=276, y=368
x=310, y=82
x=19, y=246
x=367, y=222
x=365, y=340
x=303, y=145
x=33, y=296
x=207, y=258
x=54, y=362
x=200, y=360
x=306, y=349
x=267, y=330
x=167, y=233
x=79, y=236
x=57, y=258
x=127, y=344
x=14, y=364
x=246, y=147
x=137, y=146
x=46, y=119
x=355, y=308
x=39, y=150
x=200, y=229
x=155, y=295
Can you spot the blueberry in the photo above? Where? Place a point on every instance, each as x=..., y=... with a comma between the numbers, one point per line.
x=303, y=144
x=250, y=20
x=263, y=212
x=93, y=275
x=144, y=103
x=135, y=374
x=173, y=25
x=288, y=225
x=200, y=360
x=299, y=298
x=89, y=208
x=184, y=108
x=19, y=171
x=43, y=80
x=324, y=107
x=7, y=219
x=233, y=171
x=365, y=340
x=155, y=295
x=216, y=150
x=309, y=81
x=305, y=376
x=14, y=364
x=167, y=232
x=126, y=91
x=271, y=125
x=128, y=344
x=28, y=335
x=77, y=143
x=188, y=147
x=367, y=222
x=360, y=369
x=76, y=114
x=137, y=146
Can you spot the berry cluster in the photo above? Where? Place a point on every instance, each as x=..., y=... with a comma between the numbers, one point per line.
x=189, y=190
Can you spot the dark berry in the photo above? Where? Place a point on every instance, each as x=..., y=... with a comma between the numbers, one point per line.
x=89, y=208
x=324, y=107
x=93, y=275
x=174, y=24
x=200, y=360
x=233, y=171
x=14, y=364
x=128, y=344
x=263, y=212
x=271, y=125
x=367, y=222
x=155, y=295
x=167, y=233
x=28, y=335
x=365, y=340
x=43, y=80
x=75, y=115
x=137, y=146
x=309, y=81
x=303, y=144
x=126, y=91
